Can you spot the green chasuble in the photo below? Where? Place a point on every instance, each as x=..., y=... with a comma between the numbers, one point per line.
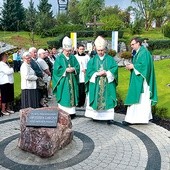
x=102, y=94
x=143, y=63
x=65, y=87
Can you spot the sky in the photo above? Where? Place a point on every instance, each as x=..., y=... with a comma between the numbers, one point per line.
x=123, y=4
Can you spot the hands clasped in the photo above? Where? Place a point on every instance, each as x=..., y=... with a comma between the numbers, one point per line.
x=129, y=66
x=70, y=69
x=101, y=73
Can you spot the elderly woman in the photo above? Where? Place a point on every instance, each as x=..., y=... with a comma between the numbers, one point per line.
x=29, y=94
x=6, y=84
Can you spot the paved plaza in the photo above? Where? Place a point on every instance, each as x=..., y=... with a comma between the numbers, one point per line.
x=95, y=145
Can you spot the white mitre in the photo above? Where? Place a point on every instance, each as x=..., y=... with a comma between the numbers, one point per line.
x=100, y=43
x=67, y=43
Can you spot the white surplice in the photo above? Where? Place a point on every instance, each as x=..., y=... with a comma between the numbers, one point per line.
x=141, y=112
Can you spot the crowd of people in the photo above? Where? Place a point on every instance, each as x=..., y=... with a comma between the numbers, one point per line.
x=81, y=80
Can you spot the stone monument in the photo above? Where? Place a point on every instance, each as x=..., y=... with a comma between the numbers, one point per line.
x=44, y=140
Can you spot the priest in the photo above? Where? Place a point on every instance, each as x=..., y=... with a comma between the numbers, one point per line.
x=101, y=81
x=65, y=78
x=142, y=92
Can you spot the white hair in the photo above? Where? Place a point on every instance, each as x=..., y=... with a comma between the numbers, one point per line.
x=32, y=49
x=26, y=54
x=40, y=51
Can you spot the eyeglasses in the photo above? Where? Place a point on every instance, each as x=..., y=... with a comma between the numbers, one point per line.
x=133, y=44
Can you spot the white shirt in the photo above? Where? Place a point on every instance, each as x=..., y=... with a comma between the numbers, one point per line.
x=28, y=77
x=83, y=60
x=6, y=73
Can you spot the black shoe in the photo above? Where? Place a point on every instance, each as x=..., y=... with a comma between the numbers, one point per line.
x=126, y=123
x=73, y=116
x=109, y=122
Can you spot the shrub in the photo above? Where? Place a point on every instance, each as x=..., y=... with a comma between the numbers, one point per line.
x=166, y=30
x=136, y=28
x=126, y=55
x=161, y=112
x=112, y=52
x=57, y=43
x=158, y=44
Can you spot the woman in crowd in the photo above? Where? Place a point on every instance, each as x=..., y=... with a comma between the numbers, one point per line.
x=29, y=94
x=6, y=84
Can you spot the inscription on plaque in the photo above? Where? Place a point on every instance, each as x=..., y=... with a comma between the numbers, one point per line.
x=42, y=118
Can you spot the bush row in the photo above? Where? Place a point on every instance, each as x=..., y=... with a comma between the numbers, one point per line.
x=57, y=43
x=87, y=32
x=158, y=44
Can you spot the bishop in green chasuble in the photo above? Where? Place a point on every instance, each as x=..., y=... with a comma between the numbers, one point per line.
x=142, y=92
x=101, y=81
x=65, y=78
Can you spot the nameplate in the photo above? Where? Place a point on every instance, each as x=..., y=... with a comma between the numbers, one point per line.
x=42, y=118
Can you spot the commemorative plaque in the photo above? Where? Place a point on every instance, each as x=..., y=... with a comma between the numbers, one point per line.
x=42, y=118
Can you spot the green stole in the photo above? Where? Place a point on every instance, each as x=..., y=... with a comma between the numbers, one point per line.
x=102, y=95
x=65, y=87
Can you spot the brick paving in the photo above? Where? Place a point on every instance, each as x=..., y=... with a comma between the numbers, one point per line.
x=96, y=145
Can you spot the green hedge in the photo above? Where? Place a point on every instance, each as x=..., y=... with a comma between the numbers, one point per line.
x=81, y=30
x=158, y=44
x=90, y=33
x=63, y=29
x=57, y=43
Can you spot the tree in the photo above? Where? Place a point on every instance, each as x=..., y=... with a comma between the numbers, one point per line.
x=90, y=8
x=122, y=15
x=45, y=19
x=160, y=12
x=13, y=15
x=73, y=12
x=152, y=10
x=45, y=7
x=31, y=18
x=62, y=19
x=144, y=10
x=111, y=22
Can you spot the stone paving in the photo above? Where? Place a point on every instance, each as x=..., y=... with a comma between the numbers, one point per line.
x=96, y=145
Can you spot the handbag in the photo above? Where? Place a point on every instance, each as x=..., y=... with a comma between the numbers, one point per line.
x=40, y=83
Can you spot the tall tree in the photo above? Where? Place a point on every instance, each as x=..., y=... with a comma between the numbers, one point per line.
x=45, y=19
x=45, y=7
x=144, y=9
x=90, y=8
x=152, y=10
x=111, y=22
x=122, y=15
x=31, y=18
x=73, y=12
x=13, y=15
x=160, y=12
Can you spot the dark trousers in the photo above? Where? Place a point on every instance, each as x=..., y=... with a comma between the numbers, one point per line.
x=82, y=94
x=17, y=65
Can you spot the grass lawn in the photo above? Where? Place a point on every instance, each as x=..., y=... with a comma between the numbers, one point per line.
x=17, y=85
x=23, y=40
x=162, y=71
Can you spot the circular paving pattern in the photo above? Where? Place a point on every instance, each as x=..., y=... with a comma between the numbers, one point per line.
x=95, y=146
x=13, y=158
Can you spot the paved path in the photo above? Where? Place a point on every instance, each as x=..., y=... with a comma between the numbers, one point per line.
x=96, y=145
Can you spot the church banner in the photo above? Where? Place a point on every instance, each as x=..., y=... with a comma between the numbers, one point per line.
x=73, y=36
x=115, y=40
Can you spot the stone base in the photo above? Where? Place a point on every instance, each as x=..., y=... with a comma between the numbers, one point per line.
x=44, y=142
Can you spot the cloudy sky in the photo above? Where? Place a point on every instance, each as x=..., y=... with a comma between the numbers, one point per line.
x=123, y=4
